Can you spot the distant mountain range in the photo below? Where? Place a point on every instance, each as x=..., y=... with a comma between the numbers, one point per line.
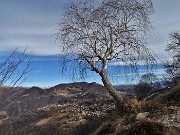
x=19, y=100
x=16, y=101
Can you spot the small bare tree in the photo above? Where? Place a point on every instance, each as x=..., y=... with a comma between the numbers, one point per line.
x=94, y=32
x=147, y=84
x=151, y=80
x=173, y=66
x=14, y=68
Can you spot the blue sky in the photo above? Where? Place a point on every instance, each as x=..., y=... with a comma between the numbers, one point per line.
x=31, y=23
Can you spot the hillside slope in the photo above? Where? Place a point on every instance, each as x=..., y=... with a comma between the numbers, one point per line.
x=77, y=110
x=157, y=116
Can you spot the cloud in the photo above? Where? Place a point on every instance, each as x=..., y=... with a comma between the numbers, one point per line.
x=37, y=71
x=158, y=72
x=31, y=24
x=121, y=63
x=165, y=20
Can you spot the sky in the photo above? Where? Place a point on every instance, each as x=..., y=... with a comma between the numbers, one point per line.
x=166, y=19
x=32, y=23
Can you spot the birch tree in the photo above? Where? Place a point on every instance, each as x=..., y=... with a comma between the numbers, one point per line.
x=94, y=33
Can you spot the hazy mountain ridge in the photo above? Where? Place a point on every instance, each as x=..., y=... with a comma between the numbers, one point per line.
x=18, y=101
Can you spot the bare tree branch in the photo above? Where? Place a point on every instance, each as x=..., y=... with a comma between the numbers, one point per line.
x=14, y=68
x=173, y=66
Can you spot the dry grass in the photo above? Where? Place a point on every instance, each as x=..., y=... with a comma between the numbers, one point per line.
x=144, y=127
x=43, y=122
x=59, y=117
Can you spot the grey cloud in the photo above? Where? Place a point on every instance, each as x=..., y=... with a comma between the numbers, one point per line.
x=32, y=22
x=165, y=20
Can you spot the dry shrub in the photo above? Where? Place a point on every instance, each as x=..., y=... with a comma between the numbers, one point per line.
x=101, y=125
x=115, y=126
x=105, y=129
x=90, y=126
x=131, y=105
x=145, y=128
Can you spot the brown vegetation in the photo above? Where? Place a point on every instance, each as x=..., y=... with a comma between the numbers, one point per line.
x=95, y=114
x=163, y=118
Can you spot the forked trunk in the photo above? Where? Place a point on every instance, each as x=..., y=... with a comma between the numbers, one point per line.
x=113, y=92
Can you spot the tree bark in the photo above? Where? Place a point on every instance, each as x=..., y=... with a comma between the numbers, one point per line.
x=113, y=92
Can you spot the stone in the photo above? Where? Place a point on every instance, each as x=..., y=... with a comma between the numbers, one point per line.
x=141, y=116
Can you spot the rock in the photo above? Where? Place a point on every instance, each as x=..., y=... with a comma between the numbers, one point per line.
x=141, y=116
x=171, y=108
x=3, y=114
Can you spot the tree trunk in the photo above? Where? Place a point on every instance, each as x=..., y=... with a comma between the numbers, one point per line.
x=113, y=92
